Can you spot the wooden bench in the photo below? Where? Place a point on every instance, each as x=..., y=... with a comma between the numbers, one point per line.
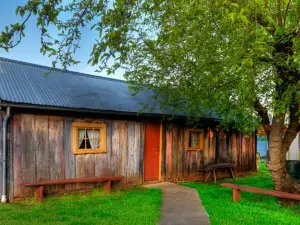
x=220, y=166
x=236, y=192
x=39, y=186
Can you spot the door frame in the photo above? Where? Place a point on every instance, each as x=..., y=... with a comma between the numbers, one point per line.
x=160, y=153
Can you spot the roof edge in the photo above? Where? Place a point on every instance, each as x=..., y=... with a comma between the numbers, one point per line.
x=45, y=107
x=55, y=108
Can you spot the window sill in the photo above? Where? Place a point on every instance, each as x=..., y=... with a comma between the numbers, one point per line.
x=88, y=152
x=194, y=149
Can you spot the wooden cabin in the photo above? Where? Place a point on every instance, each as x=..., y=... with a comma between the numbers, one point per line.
x=73, y=125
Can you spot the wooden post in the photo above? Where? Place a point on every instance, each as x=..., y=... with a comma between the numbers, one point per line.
x=207, y=176
x=258, y=161
x=215, y=178
x=107, y=187
x=236, y=195
x=39, y=193
x=232, y=173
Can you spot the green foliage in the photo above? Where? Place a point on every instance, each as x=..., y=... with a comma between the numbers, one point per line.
x=200, y=57
x=122, y=207
x=252, y=209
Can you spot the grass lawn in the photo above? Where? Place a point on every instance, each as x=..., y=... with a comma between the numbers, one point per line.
x=137, y=206
x=253, y=209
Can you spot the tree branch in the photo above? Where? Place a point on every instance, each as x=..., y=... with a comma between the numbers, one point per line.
x=263, y=113
x=286, y=11
x=293, y=128
x=13, y=32
x=279, y=17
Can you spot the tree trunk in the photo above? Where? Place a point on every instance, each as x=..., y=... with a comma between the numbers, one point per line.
x=277, y=159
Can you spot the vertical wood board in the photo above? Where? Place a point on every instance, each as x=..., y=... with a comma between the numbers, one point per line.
x=206, y=148
x=169, y=147
x=41, y=146
x=175, y=151
x=212, y=148
x=89, y=169
x=17, y=158
x=69, y=157
x=138, y=151
x=123, y=149
x=180, y=151
x=28, y=155
x=186, y=157
x=115, y=151
x=80, y=169
x=102, y=161
x=57, y=164
x=131, y=157
x=1, y=150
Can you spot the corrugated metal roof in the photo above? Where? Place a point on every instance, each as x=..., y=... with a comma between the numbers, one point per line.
x=27, y=83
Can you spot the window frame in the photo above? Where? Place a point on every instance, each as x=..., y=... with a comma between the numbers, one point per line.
x=201, y=139
x=76, y=126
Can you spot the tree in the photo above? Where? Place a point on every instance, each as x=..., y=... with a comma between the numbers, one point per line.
x=237, y=58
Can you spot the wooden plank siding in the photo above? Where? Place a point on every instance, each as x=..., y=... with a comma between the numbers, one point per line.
x=28, y=152
x=1, y=118
x=41, y=146
x=17, y=157
x=233, y=147
x=42, y=150
x=103, y=161
x=69, y=157
x=169, y=149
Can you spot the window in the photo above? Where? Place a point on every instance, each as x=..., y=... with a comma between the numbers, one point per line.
x=88, y=138
x=194, y=139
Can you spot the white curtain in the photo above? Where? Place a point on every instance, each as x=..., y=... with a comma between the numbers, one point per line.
x=96, y=138
x=194, y=139
x=93, y=136
x=89, y=136
x=80, y=136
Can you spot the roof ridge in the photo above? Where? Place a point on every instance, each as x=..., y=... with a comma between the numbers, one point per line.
x=61, y=70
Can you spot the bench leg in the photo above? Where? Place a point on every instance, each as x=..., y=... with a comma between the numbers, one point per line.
x=107, y=187
x=207, y=176
x=232, y=173
x=215, y=178
x=236, y=195
x=39, y=193
x=225, y=173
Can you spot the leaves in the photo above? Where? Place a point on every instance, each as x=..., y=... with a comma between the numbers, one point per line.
x=199, y=57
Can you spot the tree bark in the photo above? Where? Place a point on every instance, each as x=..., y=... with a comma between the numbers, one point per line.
x=277, y=159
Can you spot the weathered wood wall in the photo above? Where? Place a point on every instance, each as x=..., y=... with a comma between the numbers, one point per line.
x=42, y=151
x=0, y=152
x=219, y=147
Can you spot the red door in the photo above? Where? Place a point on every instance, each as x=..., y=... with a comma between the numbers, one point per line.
x=152, y=152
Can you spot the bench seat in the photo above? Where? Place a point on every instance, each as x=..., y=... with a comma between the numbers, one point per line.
x=39, y=186
x=236, y=189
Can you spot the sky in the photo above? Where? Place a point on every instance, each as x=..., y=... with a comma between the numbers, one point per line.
x=29, y=49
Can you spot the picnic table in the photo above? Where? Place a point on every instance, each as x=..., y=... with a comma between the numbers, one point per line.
x=220, y=166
